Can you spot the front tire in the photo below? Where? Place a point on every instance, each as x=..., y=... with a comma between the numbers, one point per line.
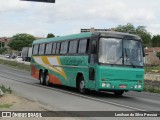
x=81, y=85
x=46, y=78
x=118, y=93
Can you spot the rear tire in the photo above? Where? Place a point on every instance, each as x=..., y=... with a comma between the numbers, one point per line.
x=42, y=82
x=118, y=93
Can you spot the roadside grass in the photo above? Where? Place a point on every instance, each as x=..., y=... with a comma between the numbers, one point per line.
x=152, y=69
x=15, y=64
x=153, y=89
x=5, y=105
x=5, y=89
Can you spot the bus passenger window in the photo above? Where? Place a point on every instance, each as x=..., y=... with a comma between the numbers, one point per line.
x=48, y=48
x=58, y=48
x=94, y=47
x=64, y=48
x=82, y=46
x=54, y=48
x=73, y=47
x=35, y=49
x=41, y=49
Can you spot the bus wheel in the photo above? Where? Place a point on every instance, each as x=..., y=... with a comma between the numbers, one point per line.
x=41, y=78
x=81, y=85
x=47, y=79
x=118, y=93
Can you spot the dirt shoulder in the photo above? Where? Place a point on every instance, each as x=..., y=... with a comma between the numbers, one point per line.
x=18, y=103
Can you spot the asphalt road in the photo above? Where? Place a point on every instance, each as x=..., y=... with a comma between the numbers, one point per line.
x=68, y=99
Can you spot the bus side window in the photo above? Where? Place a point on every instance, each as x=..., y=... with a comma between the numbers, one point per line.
x=93, y=56
x=82, y=46
x=64, y=47
x=94, y=47
x=41, y=49
x=48, y=48
x=58, y=48
x=35, y=49
x=54, y=48
x=73, y=47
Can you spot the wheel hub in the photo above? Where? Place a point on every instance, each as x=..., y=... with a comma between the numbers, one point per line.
x=82, y=85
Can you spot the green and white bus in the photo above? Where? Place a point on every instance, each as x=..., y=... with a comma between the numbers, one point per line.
x=100, y=61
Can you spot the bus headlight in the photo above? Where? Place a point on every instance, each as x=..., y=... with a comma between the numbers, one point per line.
x=135, y=86
x=139, y=86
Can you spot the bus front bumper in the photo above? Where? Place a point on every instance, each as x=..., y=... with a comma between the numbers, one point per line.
x=111, y=86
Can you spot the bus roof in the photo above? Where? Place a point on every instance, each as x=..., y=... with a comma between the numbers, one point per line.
x=74, y=36
x=85, y=35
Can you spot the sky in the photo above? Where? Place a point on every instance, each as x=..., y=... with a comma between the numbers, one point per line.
x=69, y=16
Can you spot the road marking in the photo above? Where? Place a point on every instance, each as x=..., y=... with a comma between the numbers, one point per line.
x=104, y=101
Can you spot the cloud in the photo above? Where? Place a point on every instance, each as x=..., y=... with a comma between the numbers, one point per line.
x=68, y=16
x=93, y=10
x=13, y=5
x=154, y=28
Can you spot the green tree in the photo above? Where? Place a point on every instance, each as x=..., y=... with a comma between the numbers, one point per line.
x=145, y=36
x=158, y=55
x=128, y=28
x=2, y=44
x=2, y=50
x=19, y=41
x=140, y=30
x=50, y=35
x=156, y=41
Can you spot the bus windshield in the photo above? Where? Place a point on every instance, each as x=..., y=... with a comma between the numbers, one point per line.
x=111, y=51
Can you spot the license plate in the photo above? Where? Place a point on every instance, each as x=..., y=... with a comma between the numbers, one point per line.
x=122, y=86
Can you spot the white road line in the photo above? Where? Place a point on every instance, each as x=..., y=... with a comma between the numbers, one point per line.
x=105, y=101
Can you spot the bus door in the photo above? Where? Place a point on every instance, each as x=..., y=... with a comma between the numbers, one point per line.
x=92, y=64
